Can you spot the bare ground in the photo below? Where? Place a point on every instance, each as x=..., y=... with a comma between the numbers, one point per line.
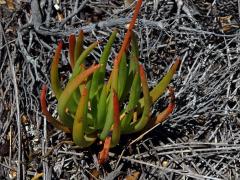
x=201, y=138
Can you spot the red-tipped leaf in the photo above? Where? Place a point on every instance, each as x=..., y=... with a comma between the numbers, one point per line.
x=48, y=115
x=54, y=77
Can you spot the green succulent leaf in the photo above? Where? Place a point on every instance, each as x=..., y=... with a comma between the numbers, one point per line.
x=79, y=45
x=66, y=94
x=122, y=75
x=140, y=124
x=134, y=55
x=109, y=82
x=102, y=108
x=98, y=76
x=109, y=118
x=81, y=59
x=80, y=123
x=159, y=89
x=76, y=94
x=133, y=101
x=133, y=68
x=114, y=87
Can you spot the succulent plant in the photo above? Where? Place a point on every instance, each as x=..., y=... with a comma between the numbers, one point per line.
x=92, y=106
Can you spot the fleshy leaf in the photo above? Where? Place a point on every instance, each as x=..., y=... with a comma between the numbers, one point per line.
x=109, y=118
x=72, y=42
x=101, y=108
x=127, y=37
x=114, y=74
x=98, y=76
x=109, y=83
x=165, y=113
x=103, y=155
x=133, y=100
x=133, y=65
x=133, y=68
x=69, y=89
x=116, y=118
x=76, y=93
x=140, y=124
x=79, y=125
x=82, y=58
x=57, y=124
x=79, y=45
x=122, y=76
x=147, y=102
x=159, y=89
x=129, y=32
x=54, y=76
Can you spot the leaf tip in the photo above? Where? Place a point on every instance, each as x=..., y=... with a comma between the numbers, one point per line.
x=104, y=154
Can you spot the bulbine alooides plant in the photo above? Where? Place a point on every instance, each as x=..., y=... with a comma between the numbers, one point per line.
x=92, y=106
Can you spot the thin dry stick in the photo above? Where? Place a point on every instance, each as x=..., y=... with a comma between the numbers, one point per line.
x=74, y=12
x=14, y=80
x=44, y=150
x=181, y=172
